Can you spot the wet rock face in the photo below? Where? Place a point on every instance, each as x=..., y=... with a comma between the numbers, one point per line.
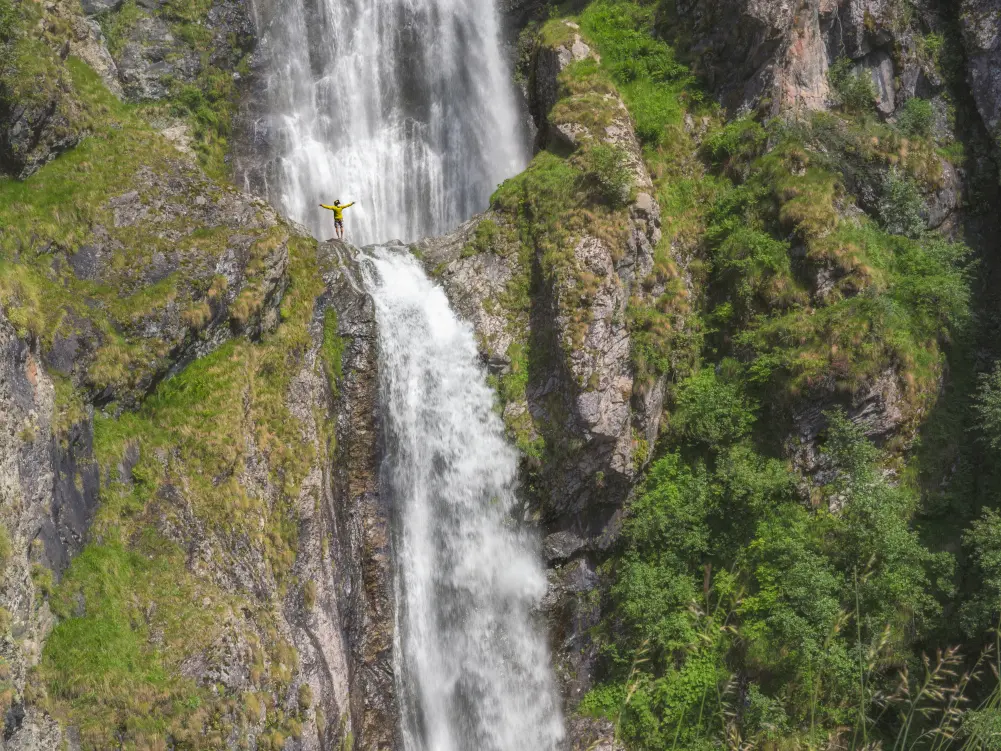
x=981, y=25
x=363, y=588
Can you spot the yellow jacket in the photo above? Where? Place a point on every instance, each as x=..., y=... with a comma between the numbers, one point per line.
x=338, y=210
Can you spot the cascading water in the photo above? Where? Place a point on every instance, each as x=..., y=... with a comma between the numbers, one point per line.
x=472, y=664
x=405, y=106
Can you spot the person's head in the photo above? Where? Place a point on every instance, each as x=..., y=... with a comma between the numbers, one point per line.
x=337, y=203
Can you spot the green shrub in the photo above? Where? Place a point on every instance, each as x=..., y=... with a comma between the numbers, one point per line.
x=332, y=351
x=736, y=145
x=309, y=595
x=305, y=696
x=483, y=237
x=853, y=90
x=987, y=406
x=607, y=167
x=644, y=68
x=752, y=266
x=983, y=542
x=712, y=411
x=917, y=118
x=901, y=207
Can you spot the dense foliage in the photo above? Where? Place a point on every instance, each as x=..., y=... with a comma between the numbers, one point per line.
x=751, y=604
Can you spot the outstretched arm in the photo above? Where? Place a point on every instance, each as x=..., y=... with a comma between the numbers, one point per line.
x=324, y=206
x=348, y=204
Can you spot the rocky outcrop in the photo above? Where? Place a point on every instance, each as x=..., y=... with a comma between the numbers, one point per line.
x=337, y=624
x=776, y=56
x=981, y=24
x=159, y=53
x=39, y=114
x=31, y=545
x=153, y=59
x=880, y=408
x=219, y=259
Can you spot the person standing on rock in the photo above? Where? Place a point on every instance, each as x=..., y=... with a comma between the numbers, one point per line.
x=338, y=210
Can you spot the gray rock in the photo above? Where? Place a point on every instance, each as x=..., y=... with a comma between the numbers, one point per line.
x=30, y=729
x=359, y=515
x=95, y=7
x=981, y=25
x=35, y=131
x=152, y=58
x=879, y=66
x=89, y=45
x=880, y=408
x=32, y=466
x=863, y=26
x=943, y=202
x=163, y=202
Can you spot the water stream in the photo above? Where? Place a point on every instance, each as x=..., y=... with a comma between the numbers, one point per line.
x=472, y=663
x=404, y=106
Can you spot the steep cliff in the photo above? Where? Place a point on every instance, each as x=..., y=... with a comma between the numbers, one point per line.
x=729, y=311
x=723, y=286
x=193, y=546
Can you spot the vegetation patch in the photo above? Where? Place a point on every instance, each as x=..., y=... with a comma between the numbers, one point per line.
x=133, y=614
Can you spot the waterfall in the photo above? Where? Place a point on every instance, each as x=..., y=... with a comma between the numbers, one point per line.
x=472, y=663
x=404, y=106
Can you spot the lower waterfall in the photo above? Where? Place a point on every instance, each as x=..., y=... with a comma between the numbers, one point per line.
x=471, y=659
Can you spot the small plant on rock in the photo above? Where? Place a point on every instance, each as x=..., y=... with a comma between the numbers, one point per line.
x=607, y=167
x=917, y=118
x=852, y=89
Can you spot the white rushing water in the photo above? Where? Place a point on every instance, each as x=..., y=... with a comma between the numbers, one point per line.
x=404, y=106
x=472, y=664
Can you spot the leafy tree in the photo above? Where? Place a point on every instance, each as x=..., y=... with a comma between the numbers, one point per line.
x=873, y=534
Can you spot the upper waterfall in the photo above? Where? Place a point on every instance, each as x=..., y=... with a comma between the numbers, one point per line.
x=405, y=106
x=472, y=664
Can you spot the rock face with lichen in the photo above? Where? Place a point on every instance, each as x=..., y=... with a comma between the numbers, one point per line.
x=39, y=524
x=312, y=640
x=776, y=56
